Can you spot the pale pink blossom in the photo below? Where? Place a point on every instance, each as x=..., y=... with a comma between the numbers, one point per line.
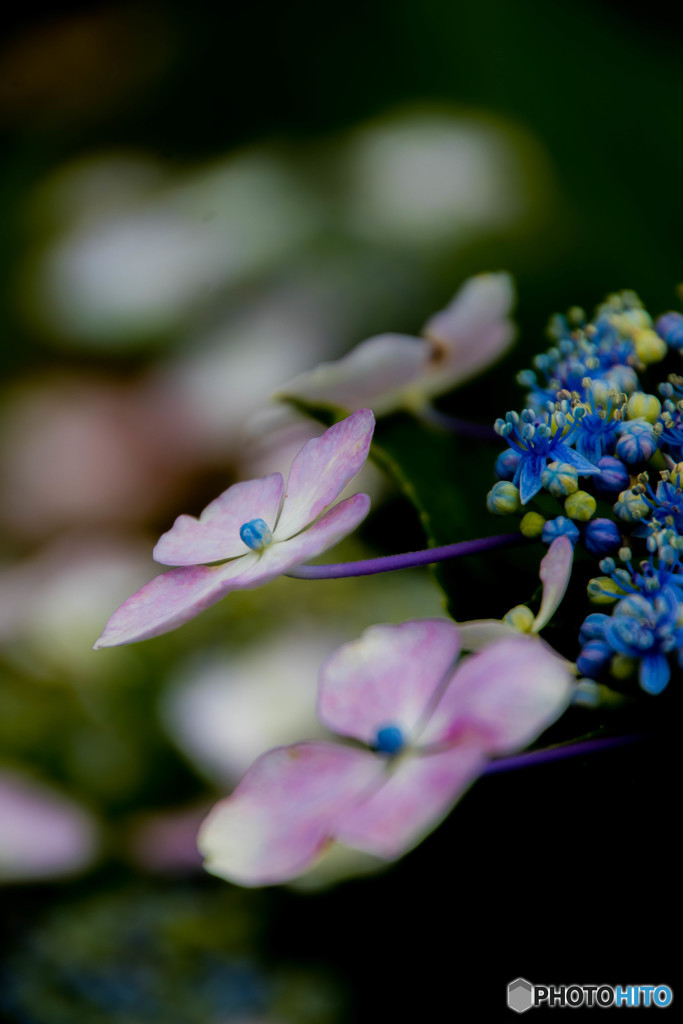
x=429, y=727
x=398, y=371
x=256, y=530
x=43, y=834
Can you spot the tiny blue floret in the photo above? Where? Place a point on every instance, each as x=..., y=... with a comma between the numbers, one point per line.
x=614, y=476
x=389, y=739
x=256, y=534
x=602, y=537
x=670, y=327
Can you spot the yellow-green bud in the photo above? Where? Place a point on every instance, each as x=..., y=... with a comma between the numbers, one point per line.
x=642, y=406
x=581, y=505
x=632, y=320
x=532, y=525
x=521, y=617
x=631, y=507
x=503, y=498
x=621, y=666
x=650, y=348
x=560, y=478
x=603, y=590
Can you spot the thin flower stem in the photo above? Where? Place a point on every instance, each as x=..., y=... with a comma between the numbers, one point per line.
x=390, y=563
x=558, y=752
x=454, y=425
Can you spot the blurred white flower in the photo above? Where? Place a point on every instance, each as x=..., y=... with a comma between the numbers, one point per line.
x=53, y=604
x=119, y=272
x=432, y=176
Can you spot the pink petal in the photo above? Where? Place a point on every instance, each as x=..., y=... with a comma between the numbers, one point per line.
x=372, y=375
x=472, y=331
x=505, y=696
x=414, y=799
x=387, y=677
x=280, y=817
x=322, y=469
x=171, y=599
x=175, y=597
x=215, y=536
x=43, y=834
x=555, y=571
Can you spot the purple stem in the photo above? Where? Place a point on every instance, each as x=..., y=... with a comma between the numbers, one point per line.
x=534, y=757
x=389, y=563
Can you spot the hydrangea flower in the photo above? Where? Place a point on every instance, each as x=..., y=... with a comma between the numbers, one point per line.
x=429, y=730
x=644, y=629
x=255, y=530
x=538, y=438
x=397, y=371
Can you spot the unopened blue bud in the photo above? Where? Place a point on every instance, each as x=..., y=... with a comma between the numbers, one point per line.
x=526, y=378
x=506, y=464
x=614, y=476
x=593, y=627
x=560, y=526
x=256, y=534
x=670, y=328
x=637, y=442
x=389, y=739
x=503, y=498
x=602, y=536
x=594, y=658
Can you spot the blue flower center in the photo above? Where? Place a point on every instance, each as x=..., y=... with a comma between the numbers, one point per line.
x=256, y=534
x=389, y=739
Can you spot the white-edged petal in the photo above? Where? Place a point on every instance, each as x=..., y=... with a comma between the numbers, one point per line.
x=321, y=471
x=555, y=572
x=282, y=815
x=372, y=375
x=471, y=332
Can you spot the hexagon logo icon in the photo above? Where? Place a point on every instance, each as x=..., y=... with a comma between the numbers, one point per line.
x=520, y=995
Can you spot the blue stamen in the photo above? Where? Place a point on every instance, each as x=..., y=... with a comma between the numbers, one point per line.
x=389, y=739
x=256, y=534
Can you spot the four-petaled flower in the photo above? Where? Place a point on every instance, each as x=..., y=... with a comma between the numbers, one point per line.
x=398, y=371
x=431, y=727
x=255, y=529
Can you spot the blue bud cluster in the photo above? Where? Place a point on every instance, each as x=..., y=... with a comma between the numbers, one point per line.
x=600, y=441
